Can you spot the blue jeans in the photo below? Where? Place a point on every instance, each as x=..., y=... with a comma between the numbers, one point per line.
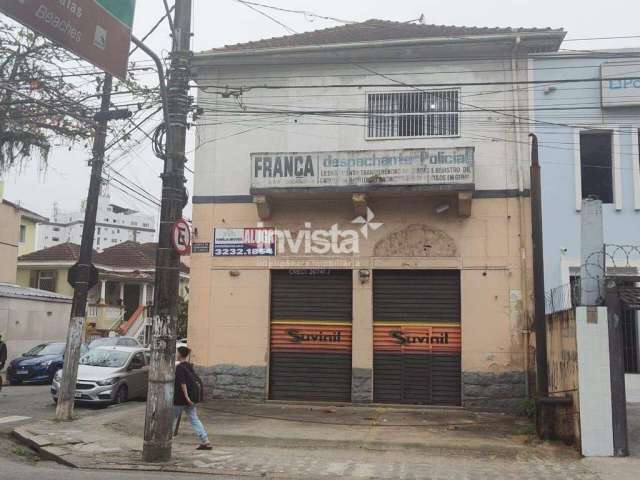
x=192, y=415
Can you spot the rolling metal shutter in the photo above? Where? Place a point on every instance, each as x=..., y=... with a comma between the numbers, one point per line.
x=417, y=337
x=311, y=313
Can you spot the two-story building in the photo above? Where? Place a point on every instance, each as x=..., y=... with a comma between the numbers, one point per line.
x=362, y=217
x=587, y=119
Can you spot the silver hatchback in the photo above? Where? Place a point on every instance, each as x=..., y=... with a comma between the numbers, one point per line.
x=109, y=375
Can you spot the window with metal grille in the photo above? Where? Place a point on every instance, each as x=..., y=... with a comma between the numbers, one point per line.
x=413, y=114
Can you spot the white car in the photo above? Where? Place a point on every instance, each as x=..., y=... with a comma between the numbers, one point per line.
x=109, y=375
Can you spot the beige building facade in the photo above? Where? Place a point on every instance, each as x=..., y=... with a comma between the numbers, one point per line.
x=359, y=238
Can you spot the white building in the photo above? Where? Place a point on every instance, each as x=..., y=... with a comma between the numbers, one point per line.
x=114, y=224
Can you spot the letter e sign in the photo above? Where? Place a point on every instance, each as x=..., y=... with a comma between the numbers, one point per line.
x=181, y=237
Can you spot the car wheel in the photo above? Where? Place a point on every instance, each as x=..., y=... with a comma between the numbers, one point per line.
x=122, y=395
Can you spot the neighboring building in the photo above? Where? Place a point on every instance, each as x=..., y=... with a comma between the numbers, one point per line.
x=125, y=288
x=29, y=317
x=9, y=228
x=17, y=235
x=589, y=133
x=114, y=224
x=395, y=180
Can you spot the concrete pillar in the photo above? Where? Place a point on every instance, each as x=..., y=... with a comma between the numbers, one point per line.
x=144, y=294
x=122, y=292
x=103, y=292
x=362, y=354
x=592, y=271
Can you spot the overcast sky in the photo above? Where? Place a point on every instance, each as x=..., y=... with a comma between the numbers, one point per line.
x=221, y=22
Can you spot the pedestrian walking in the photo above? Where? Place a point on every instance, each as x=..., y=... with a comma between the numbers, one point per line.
x=3, y=357
x=3, y=353
x=186, y=387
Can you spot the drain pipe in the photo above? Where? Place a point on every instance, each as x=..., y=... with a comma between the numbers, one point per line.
x=515, y=95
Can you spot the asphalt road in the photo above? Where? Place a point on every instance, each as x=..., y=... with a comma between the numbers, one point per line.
x=24, y=403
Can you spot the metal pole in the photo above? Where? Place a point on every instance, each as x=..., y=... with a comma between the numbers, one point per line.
x=159, y=414
x=542, y=374
x=66, y=395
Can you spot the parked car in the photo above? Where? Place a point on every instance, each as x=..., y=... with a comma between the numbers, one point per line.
x=115, y=342
x=38, y=365
x=109, y=375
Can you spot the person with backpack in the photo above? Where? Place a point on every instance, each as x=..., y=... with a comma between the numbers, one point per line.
x=188, y=392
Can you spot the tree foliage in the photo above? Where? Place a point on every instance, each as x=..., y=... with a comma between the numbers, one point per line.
x=39, y=99
x=47, y=95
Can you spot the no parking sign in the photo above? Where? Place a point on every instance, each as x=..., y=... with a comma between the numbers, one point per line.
x=181, y=237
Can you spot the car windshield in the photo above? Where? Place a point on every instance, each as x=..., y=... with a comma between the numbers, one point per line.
x=103, y=342
x=105, y=358
x=51, y=349
x=34, y=351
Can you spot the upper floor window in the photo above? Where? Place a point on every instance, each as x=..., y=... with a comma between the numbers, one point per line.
x=23, y=234
x=596, y=165
x=432, y=113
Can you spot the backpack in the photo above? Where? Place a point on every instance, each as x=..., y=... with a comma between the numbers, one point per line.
x=196, y=386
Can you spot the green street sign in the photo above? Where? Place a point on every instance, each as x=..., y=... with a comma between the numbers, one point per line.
x=123, y=10
x=97, y=30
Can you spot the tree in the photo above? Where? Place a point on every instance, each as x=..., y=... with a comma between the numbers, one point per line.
x=46, y=94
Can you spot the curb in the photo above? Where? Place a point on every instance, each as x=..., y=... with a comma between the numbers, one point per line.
x=28, y=440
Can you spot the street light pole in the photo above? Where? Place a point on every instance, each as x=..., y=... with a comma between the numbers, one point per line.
x=66, y=395
x=159, y=414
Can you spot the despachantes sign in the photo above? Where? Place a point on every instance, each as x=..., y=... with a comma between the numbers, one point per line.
x=362, y=168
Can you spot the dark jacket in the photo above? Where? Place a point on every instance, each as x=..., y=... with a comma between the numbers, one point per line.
x=184, y=375
x=3, y=353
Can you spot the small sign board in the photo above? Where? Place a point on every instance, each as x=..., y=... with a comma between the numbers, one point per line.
x=97, y=30
x=72, y=276
x=620, y=84
x=234, y=242
x=181, y=237
x=201, y=247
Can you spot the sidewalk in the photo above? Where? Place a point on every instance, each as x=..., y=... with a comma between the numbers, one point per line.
x=301, y=441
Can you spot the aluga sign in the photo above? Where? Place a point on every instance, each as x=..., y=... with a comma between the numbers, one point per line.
x=426, y=166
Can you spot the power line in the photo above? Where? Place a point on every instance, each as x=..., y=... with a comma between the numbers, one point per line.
x=249, y=5
x=302, y=12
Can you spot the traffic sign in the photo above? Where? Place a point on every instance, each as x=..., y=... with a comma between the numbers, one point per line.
x=72, y=276
x=97, y=30
x=181, y=237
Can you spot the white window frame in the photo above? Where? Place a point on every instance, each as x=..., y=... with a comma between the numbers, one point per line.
x=616, y=162
x=368, y=93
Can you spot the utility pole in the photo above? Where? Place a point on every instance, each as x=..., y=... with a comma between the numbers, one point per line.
x=66, y=395
x=159, y=414
x=540, y=325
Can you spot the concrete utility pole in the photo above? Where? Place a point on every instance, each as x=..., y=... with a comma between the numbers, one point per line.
x=593, y=270
x=159, y=415
x=66, y=395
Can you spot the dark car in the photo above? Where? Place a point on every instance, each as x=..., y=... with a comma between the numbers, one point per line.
x=38, y=365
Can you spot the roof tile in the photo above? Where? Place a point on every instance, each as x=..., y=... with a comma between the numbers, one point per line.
x=373, y=30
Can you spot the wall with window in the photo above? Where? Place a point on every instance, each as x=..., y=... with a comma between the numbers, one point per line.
x=360, y=118
x=585, y=150
x=9, y=222
x=51, y=279
x=26, y=236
